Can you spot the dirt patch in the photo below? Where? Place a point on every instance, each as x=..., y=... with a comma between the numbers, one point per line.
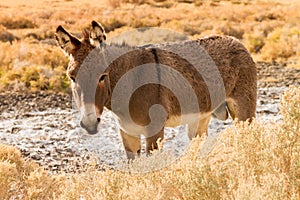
x=277, y=75
x=36, y=101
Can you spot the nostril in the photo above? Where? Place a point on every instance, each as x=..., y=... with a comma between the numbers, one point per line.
x=98, y=119
x=81, y=124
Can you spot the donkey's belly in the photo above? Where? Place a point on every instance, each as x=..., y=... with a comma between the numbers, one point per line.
x=176, y=120
x=133, y=129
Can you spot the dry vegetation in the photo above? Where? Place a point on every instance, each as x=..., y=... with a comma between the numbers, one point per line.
x=269, y=29
x=248, y=162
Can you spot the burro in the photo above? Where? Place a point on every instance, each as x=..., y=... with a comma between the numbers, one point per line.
x=157, y=85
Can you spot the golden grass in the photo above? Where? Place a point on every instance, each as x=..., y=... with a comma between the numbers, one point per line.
x=256, y=161
x=269, y=29
x=23, y=66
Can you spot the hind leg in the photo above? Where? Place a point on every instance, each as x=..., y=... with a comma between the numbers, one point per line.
x=241, y=101
x=221, y=112
x=132, y=145
x=151, y=142
x=242, y=108
x=203, y=126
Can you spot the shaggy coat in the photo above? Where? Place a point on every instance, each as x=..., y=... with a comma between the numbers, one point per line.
x=224, y=81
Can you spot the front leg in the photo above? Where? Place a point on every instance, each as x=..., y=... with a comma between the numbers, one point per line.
x=151, y=142
x=132, y=145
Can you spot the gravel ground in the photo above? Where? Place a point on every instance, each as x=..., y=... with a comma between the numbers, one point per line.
x=43, y=125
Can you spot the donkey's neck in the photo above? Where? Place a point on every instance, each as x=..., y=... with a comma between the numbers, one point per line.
x=128, y=58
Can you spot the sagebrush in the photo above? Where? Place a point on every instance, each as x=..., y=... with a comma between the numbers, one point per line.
x=269, y=29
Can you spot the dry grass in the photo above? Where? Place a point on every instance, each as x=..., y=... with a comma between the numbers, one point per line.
x=249, y=161
x=255, y=161
x=24, y=66
x=269, y=29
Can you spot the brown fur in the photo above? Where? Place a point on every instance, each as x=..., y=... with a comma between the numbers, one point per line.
x=233, y=61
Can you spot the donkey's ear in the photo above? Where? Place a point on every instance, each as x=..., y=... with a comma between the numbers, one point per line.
x=97, y=34
x=66, y=41
x=105, y=82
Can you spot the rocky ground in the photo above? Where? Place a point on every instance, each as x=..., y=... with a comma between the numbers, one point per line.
x=43, y=125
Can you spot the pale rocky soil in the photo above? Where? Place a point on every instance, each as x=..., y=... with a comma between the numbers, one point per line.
x=44, y=127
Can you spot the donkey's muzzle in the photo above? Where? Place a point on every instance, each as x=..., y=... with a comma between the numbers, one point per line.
x=90, y=130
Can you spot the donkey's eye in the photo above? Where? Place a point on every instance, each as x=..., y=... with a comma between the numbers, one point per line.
x=102, y=78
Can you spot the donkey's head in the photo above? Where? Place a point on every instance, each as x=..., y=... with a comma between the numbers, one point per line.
x=90, y=85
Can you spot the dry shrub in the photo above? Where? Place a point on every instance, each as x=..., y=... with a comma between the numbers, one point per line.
x=290, y=109
x=6, y=56
x=36, y=67
x=13, y=168
x=232, y=30
x=34, y=78
x=254, y=42
x=112, y=24
x=11, y=155
x=6, y=36
x=17, y=22
x=267, y=16
x=8, y=176
x=191, y=30
x=281, y=44
x=40, y=185
x=59, y=81
x=21, y=54
x=116, y=3
x=155, y=3
x=262, y=162
x=22, y=179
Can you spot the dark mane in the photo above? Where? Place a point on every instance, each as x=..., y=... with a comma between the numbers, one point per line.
x=85, y=35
